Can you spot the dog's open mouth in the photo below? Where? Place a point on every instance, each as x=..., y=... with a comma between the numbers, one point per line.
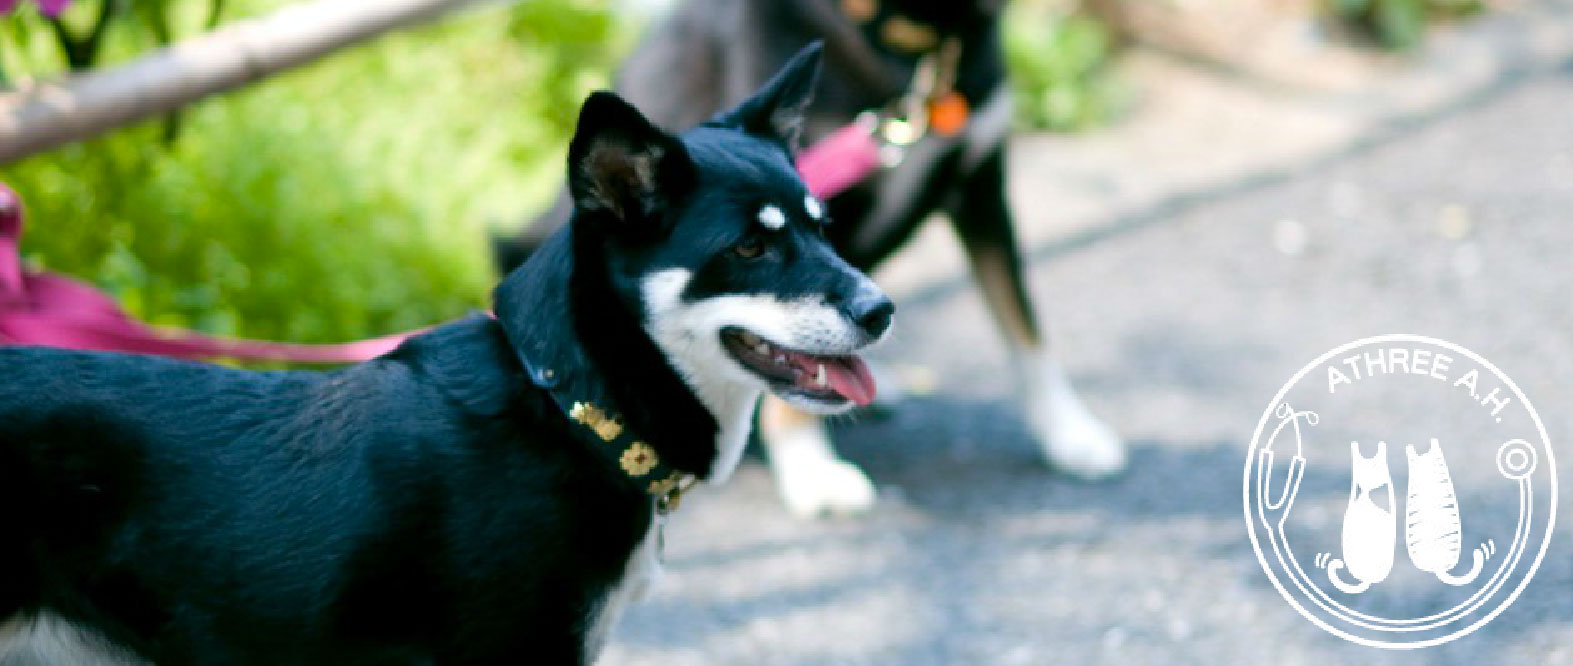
x=822, y=378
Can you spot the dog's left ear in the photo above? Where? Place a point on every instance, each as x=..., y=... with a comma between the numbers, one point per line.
x=776, y=110
x=623, y=171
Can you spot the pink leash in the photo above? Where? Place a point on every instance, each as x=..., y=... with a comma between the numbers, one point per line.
x=40, y=308
x=839, y=161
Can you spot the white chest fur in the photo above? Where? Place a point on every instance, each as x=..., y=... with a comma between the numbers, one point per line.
x=49, y=639
x=689, y=335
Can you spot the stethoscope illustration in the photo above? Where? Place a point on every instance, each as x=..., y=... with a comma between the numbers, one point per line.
x=1264, y=470
x=1515, y=461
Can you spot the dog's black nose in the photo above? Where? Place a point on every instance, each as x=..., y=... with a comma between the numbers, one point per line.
x=871, y=310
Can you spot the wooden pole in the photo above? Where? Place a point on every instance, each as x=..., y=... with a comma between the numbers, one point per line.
x=46, y=115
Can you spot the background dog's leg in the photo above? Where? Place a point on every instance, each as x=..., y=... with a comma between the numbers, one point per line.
x=1071, y=438
x=811, y=478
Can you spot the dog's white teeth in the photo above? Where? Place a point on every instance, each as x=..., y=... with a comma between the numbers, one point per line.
x=781, y=359
x=762, y=349
x=819, y=376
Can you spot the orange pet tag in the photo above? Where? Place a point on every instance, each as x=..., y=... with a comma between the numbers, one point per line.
x=948, y=113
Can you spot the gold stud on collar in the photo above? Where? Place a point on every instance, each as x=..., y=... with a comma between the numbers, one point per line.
x=666, y=485
x=605, y=425
x=639, y=459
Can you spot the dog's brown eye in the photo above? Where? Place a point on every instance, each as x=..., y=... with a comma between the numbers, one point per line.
x=749, y=249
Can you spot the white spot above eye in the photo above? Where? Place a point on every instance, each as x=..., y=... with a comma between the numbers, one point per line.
x=814, y=208
x=772, y=217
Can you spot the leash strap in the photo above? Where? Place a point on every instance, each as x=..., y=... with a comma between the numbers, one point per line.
x=840, y=161
x=38, y=308
x=850, y=155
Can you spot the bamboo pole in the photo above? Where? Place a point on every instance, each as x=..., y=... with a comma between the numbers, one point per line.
x=47, y=115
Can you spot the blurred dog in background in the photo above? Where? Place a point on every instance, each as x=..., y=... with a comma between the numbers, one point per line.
x=937, y=68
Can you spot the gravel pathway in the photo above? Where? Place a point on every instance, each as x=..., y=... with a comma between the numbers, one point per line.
x=1179, y=326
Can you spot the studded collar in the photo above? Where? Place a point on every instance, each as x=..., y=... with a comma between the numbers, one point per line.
x=636, y=458
x=533, y=308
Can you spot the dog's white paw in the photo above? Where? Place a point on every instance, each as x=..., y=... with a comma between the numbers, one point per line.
x=1078, y=443
x=833, y=488
x=1072, y=439
x=811, y=479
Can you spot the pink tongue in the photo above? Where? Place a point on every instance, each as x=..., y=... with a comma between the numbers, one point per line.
x=849, y=376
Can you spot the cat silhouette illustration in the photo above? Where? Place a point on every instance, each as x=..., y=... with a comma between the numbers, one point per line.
x=1370, y=527
x=1432, y=529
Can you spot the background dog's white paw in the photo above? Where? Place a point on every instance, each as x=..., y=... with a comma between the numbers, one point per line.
x=830, y=488
x=1081, y=445
x=811, y=479
x=1072, y=439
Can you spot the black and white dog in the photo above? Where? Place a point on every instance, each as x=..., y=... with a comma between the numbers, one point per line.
x=489, y=493
x=708, y=54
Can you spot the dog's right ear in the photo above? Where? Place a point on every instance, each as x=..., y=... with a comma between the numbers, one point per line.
x=623, y=171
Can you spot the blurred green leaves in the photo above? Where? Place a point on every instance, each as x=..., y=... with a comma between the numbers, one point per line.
x=347, y=199
x=585, y=41
x=1059, y=65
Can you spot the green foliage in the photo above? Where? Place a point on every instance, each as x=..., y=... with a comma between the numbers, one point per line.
x=347, y=199
x=1059, y=64
x=580, y=36
x=1400, y=24
x=89, y=29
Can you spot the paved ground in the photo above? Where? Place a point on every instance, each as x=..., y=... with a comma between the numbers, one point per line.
x=1179, y=321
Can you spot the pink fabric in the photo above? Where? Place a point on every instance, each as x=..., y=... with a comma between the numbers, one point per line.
x=53, y=8
x=39, y=308
x=839, y=161
x=50, y=8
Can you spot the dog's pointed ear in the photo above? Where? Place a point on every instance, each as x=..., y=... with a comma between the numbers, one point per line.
x=623, y=170
x=776, y=110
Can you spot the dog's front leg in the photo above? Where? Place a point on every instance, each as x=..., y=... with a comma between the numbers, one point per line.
x=1071, y=437
x=812, y=480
